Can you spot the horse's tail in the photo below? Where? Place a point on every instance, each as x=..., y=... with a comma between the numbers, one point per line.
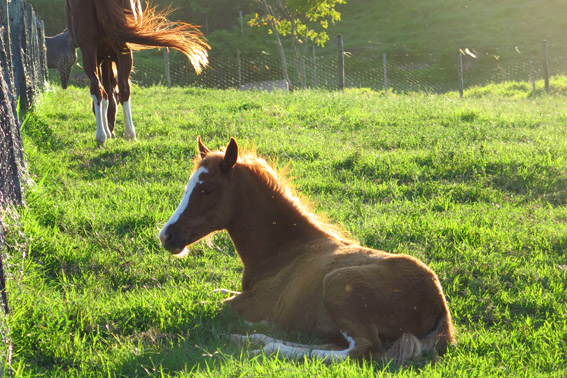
x=442, y=336
x=408, y=346
x=151, y=29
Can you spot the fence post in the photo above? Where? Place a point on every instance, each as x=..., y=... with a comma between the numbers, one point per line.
x=314, y=68
x=461, y=78
x=304, y=73
x=239, y=65
x=341, y=62
x=3, y=288
x=385, y=74
x=167, y=72
x=241, y=23
x=533, y=75
x=545, y=67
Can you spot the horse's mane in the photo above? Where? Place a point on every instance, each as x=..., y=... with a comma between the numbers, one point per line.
x=280, y=181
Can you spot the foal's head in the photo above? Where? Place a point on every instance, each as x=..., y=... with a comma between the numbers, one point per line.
x=205, y=206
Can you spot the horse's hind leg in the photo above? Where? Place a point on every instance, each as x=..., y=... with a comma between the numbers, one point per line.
x=124, y=64
x=370, y=304
x=109, y=84
x=90, y=68
x=325, y=352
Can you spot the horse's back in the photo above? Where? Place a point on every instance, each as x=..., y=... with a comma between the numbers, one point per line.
x=82, y=22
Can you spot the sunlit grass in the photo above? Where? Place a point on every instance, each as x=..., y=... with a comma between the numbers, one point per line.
x=475, y=187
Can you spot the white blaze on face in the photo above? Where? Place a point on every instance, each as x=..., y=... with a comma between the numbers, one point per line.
x=193, y=181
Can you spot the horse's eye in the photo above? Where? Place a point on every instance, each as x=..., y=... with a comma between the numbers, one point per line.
x=206, y=191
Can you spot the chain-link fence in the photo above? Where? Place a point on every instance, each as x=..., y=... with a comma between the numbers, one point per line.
x=23, y=71
x=363, y=68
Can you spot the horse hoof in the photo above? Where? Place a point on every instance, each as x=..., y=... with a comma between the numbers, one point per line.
x=131, y=137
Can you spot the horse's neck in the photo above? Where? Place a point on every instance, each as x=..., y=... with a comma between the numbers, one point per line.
x=267, y=225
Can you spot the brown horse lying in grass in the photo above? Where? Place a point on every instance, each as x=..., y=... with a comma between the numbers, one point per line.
x=302, y=274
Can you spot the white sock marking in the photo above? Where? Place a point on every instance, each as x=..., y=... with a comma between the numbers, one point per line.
x=129, y=131
x=193, y=181
x=100, y=134
x=104, y=115
x=292, y=350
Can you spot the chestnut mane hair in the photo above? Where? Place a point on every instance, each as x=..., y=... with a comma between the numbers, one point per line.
x=280, y=181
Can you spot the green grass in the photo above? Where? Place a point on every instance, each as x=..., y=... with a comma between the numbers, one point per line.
x=474, y=187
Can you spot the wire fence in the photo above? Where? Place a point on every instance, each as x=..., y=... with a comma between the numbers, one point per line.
x=23, y=72
x=399, y=72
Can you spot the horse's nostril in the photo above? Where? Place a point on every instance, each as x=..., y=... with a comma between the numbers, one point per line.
x=165, y=237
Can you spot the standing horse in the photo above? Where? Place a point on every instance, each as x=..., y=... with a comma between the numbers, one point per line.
x=301, y=273
x=106, y=31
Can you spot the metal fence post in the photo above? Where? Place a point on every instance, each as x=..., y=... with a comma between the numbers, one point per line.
x=385, y=74
x=341, y=62
x=167, y=71
x=239, y=64
x=533, y=77
x=545, y=66
x=461, y=78
x=314, y=68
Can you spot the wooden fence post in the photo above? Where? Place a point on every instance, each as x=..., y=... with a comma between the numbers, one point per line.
x=385, y=74
x=545, y=66
x=3, y=289
x=341, y=62
x=461, y=77
x=167, y=71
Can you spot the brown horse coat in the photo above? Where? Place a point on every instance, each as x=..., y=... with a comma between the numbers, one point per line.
x=106, y=31
x=301, y=273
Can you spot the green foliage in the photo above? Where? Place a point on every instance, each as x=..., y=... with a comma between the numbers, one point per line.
x=474, y=187
x=297, y=18
x=52, y=12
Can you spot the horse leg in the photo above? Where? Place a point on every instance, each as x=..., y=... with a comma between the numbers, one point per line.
x=396, y=300
x=105, y=102
x=109, y=84
x=124, y=63
x=91, y=70
x=325, y=352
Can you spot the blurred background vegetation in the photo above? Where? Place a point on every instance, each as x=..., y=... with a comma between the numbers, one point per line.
x=420, y=37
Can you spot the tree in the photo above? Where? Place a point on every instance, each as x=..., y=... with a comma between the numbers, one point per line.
x=303, y=21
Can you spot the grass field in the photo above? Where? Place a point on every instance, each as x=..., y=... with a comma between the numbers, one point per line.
x=474, y=187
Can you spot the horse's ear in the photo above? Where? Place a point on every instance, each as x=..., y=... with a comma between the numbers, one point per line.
x=203, y=151
x=230, y=155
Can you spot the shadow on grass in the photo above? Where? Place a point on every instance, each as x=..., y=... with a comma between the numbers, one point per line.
x=209, y=351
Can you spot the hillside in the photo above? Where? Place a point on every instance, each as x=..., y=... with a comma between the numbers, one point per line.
x=441, y=25
x=394, y=26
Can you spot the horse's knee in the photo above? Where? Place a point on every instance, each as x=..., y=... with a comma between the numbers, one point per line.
x=96, y=89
